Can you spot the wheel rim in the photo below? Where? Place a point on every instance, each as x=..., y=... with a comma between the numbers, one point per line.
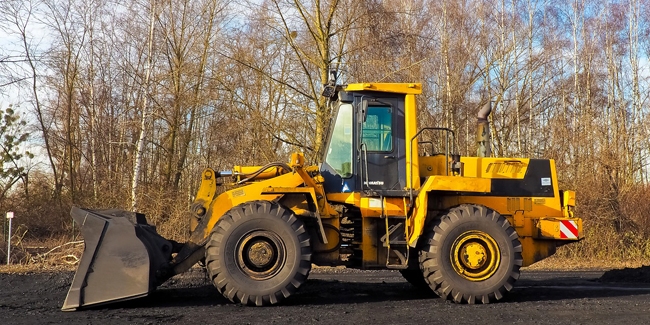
x=261, y=254
x=475, y=255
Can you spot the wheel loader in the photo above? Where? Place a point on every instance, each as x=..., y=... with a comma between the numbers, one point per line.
x=387, y=195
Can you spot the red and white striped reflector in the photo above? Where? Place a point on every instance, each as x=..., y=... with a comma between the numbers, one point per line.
x=568, y=229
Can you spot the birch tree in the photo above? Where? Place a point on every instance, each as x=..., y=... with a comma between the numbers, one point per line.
x=146, y=110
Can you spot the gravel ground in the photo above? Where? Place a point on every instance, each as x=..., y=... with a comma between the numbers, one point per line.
x=341, y=296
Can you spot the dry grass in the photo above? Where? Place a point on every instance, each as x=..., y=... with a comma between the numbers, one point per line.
x=168, y=213
x=558, y=263
x=603, y=248
x=41, y=256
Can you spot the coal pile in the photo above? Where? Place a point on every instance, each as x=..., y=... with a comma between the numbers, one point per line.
x=627, y=275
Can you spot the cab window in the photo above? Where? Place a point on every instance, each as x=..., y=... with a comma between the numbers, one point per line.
x=339, y=152
x=377, y=129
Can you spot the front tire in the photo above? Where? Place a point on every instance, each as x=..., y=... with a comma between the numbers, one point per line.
x=471, y=255
x=258, y=254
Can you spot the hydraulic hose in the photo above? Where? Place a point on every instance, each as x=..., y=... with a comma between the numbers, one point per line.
x=262, y=169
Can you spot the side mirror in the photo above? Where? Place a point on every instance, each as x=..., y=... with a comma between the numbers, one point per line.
x=329, y=91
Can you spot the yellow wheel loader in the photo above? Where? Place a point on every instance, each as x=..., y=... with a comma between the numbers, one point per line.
x=387, y=195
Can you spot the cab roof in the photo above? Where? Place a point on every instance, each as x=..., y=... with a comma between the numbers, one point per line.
x=399, y=88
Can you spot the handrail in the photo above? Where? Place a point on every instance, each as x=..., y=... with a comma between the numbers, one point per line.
x=364, y=150
x=448, y=131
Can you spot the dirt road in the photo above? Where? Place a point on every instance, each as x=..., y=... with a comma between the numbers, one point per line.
x=344, y=297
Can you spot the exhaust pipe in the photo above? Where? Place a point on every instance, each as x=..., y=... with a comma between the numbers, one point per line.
x=483, y=131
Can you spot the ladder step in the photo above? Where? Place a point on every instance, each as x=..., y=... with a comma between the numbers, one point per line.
x=396, y=242
x=396, y=217
x=401, y=256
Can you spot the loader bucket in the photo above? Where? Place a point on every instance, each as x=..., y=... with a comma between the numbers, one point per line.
x=124, y=258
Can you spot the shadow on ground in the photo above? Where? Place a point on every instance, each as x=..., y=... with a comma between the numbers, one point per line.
x=627, y=275
x=317, y=292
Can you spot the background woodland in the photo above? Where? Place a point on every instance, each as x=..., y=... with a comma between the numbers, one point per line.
x=123, y=103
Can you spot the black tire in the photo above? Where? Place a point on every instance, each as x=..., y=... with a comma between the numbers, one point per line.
x=413, y=274
x=483, y=276
x=258, y=254
x=416, y=278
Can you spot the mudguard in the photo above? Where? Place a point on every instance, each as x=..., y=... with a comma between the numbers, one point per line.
x=124, y=258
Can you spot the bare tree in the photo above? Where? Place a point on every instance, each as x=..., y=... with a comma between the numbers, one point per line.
x=20, y=15
x=146, y=110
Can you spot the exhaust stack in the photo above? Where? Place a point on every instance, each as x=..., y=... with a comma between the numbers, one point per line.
x=483, y=139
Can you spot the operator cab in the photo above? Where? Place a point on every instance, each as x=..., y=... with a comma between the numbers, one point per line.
x=366, y=146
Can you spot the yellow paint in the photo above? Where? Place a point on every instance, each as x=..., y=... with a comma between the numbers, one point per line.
x=397, y=88
x=518, y=220
x=410, y=130
x=205, y=194
x=369, y=243
x=418, y=217
x=372, y=207
x=297, y=182
x=251, y=192
x=549, y=228
x=536, y=219
x=458, y=184
x=568, y=203
x=494, y=167
x=569, y=198
x=345, y=198
x=433, y=165
x=534, y=250
x=326, y=254
x=475, y=255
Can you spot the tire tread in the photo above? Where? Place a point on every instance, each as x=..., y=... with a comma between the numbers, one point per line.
x=429, y=259
x=217, y=237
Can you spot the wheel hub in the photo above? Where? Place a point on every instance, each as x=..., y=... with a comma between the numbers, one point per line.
x=475, y=255
x=261, y=254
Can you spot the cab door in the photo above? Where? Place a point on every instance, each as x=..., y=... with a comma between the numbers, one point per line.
x=381, y=146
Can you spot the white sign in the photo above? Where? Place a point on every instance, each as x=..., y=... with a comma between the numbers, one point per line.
x=10, y=215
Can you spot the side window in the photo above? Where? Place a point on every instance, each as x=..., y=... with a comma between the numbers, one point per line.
x=339, y=153
x=377, y=130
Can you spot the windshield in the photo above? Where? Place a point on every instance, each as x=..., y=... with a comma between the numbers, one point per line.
x=339, y=152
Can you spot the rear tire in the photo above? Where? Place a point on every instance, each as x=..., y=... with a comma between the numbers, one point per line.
x=416, y=278
x=258, y=254
x=413, y=274
x=471, y=255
